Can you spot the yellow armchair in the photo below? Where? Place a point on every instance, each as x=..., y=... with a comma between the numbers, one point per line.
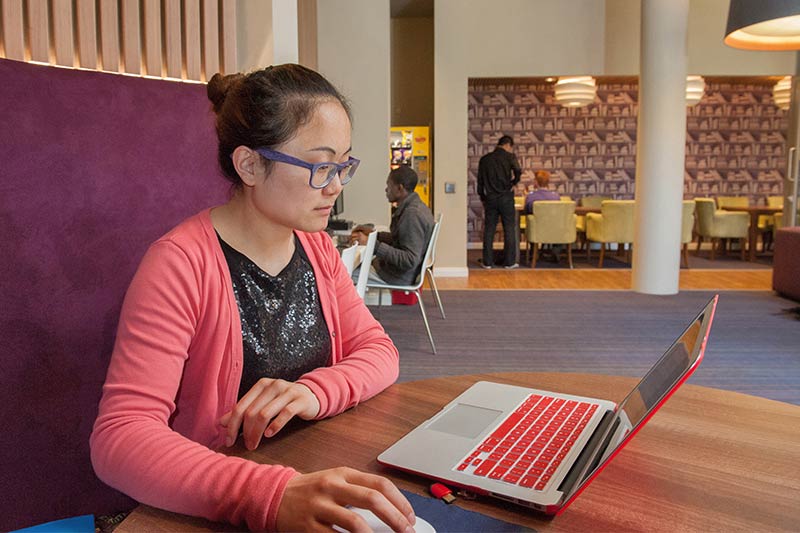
x=732, y=201
x=717, y=224
x=687, y=228
x=613, y=224
x=552, y=222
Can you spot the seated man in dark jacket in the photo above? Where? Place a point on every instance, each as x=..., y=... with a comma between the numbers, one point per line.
x=400, y=251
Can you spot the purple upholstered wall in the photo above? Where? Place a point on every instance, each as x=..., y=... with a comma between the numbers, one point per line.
x=93, y=167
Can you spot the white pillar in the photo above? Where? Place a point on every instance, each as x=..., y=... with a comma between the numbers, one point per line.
x=284, y=31
x=358, y=62
x=660, y=147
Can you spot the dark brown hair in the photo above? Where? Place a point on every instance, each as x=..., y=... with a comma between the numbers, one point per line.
x=265, y=108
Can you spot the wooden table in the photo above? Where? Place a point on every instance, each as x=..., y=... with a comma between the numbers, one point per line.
x=709, y=460
x=754, y=211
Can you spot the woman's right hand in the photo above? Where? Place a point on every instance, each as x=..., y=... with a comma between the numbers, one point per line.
x=316, y=501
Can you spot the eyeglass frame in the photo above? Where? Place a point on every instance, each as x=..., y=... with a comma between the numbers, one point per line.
x=280, y=157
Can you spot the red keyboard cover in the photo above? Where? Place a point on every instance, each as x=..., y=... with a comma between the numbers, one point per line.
x=528, y=447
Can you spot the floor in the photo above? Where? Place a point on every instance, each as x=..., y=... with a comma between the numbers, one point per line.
x=604, y=279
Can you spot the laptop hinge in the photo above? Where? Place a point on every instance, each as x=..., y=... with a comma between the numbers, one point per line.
x=593, y=451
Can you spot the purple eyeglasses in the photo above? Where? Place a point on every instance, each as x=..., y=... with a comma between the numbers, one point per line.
x=321, y=173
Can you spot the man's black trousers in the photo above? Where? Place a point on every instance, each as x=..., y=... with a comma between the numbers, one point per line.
x=501, y=207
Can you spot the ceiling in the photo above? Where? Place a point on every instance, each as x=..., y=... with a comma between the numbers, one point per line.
x=411, y=8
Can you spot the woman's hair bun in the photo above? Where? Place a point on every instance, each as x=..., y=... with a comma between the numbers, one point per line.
x=218, y=87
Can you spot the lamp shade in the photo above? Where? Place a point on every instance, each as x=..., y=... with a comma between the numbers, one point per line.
x=695, y=87
x=764, y=25
x=575, y=91
x=782, y=92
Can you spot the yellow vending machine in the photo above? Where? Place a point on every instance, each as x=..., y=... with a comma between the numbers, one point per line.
x=410, y=145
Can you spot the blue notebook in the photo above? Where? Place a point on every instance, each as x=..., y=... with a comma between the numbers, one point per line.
x=446, y=518
x=77, y=524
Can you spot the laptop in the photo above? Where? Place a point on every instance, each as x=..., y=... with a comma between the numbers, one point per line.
x=538, y=448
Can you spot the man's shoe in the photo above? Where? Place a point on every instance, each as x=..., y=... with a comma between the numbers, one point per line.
x=487, y=267
x=509, y=267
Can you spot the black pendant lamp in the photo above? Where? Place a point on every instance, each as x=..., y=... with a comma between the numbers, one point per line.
x=764, y=25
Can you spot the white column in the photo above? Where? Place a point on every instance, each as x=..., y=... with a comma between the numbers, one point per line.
x=284, y=31
x=357, y=61
x=661, y=141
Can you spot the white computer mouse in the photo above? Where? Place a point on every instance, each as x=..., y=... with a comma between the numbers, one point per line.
x=378, y=526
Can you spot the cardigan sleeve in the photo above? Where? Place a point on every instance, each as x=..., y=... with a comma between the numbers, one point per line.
x=368, y=362
x=133, y=448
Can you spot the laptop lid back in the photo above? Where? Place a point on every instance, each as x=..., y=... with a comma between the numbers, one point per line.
x=663, y=379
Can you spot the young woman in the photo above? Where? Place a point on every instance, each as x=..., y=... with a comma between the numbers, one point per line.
x=243, y=317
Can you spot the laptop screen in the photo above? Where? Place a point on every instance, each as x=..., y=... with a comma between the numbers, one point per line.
x=678, y=361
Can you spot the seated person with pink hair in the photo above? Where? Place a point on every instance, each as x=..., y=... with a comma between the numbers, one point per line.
x=540, y=191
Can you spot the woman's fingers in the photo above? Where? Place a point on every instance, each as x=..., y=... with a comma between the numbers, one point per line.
x=322, y=498
x=234, y=420
x=260, y=413
x=382, y=497
x=266, y=408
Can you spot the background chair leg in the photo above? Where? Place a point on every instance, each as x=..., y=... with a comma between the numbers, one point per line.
x=435, y=292
x=699, y=242
x=713, y=247
x=742, y=246
x=602, y=254
x=425, y=319
x=569, y=254
x=380, y=297
x=535, y=254
x=685, y=255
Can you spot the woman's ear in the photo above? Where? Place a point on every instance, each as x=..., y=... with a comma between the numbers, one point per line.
x=248, y=165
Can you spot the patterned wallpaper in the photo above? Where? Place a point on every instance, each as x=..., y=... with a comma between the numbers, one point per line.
x=735, y=139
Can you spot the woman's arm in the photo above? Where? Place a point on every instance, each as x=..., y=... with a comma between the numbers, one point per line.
x=133, y=448
x=370, y=361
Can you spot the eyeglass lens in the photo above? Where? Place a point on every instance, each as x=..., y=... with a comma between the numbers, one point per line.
x=324, y=174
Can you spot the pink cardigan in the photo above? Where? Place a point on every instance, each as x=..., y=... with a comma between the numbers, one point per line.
x=176, y=368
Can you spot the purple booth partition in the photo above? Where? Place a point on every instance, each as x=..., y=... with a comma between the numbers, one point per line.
x=94, y=167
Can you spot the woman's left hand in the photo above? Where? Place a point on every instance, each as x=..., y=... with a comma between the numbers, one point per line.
x=266, y=408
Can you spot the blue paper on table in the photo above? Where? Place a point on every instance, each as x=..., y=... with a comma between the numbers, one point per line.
x=76, y=524
x=445, y=518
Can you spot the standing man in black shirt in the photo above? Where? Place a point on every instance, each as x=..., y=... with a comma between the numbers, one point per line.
x=498, y=172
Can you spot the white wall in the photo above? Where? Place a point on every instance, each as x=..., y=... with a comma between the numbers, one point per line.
x=708, y=55
x=354, y=54
x=254, y=39
x=477, y=38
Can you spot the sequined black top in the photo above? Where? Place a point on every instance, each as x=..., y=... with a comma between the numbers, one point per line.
x=284, y=334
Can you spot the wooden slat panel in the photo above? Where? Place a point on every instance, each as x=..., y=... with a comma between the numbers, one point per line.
x=191, y=43
x=63, y=35
x=109, y=35
x=228, y=37
x=131, y=40
x=210, y=38
x=152, y=38
x=172, y=38
x=87, y=33
x=39, y=30
x=307, y=33
x=13, y=30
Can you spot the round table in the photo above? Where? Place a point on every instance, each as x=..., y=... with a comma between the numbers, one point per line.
x=709, y=460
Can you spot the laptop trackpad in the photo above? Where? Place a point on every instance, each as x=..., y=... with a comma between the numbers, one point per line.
x=465, y=420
